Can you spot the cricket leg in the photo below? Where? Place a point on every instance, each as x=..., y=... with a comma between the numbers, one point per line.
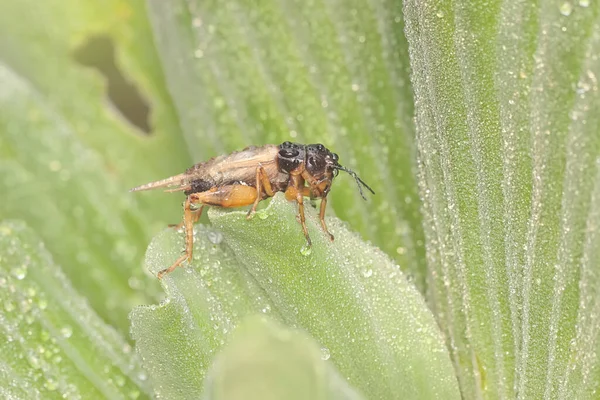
x=196, y=216
x=228, y=196
x=262, y=183
x=318, y=189
x=188, y=223
x=322, y=217
x=294, y=192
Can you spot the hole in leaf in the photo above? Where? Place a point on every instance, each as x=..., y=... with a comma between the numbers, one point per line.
x=99, y=52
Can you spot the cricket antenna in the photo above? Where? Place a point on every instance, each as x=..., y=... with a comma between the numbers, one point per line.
x=359, y=181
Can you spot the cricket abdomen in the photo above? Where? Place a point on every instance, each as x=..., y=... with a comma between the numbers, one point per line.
x=198, y=186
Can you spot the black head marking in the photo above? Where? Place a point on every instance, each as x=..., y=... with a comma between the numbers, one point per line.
x=290, y=156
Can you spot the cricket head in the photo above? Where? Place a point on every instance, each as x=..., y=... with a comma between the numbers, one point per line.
x=318, y=161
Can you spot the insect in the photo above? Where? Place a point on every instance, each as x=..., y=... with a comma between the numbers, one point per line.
x=246, y=177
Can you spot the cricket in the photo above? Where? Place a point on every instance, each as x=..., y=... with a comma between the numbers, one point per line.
x=255, y=173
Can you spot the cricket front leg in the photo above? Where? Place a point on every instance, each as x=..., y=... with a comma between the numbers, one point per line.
x=189, y=216
x=322, y=217
x=295, y=192
x=262, y=183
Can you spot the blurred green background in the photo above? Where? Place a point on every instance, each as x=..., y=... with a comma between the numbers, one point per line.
x=477, y=125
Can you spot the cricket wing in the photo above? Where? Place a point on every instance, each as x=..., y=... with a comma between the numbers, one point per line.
x=175, y=183
x=241, y=166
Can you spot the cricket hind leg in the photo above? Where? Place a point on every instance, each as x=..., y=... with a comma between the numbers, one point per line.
x=262, y=184
x=196, y=214
x=189, y=216
x=228, y=196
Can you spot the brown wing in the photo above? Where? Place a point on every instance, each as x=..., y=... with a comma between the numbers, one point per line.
x=240, y=167
x=237, y=167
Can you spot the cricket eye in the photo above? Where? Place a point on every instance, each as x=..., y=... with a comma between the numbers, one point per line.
x=334, y=157
x=312, y=162
x=288, y=153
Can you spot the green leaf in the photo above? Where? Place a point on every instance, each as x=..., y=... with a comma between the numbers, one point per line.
x=267, y=361
x=332, y=72
x=52, y=344
x=370, y=322
x=509, y=138
x=67, y=153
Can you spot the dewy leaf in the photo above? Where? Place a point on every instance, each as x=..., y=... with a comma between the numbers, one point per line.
x=52, y=344
x=508, y=122
x=370, y=322
x=68, y=155
x=62, y=187
x=178, y=339
x=266, y=361
x=332, y=72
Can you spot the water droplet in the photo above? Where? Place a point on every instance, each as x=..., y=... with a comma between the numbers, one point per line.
x=325, y=354
x=120, y=381
x=306, y=250
x=367, y=273
x=50, y=384
x=19, y=272
x=34, y=361
x=566, y=8
x=219, y=102
x=66, y=331
x=9, y=306
x=263, y=214
x=215, y=237
x=45, y=335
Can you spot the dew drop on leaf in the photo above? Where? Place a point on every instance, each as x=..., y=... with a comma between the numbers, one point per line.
x=9, y=306
x=215, y=237
x=50, y=384
x=566, y=8
x=20, y=272
x=66, y=331
x=325, y=353
x=306, y=250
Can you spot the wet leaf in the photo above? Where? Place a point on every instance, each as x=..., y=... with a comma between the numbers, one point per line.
x=369, y=321
x=508, y=126
x=53, y=345
x=266, y=361
x=68, y=155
